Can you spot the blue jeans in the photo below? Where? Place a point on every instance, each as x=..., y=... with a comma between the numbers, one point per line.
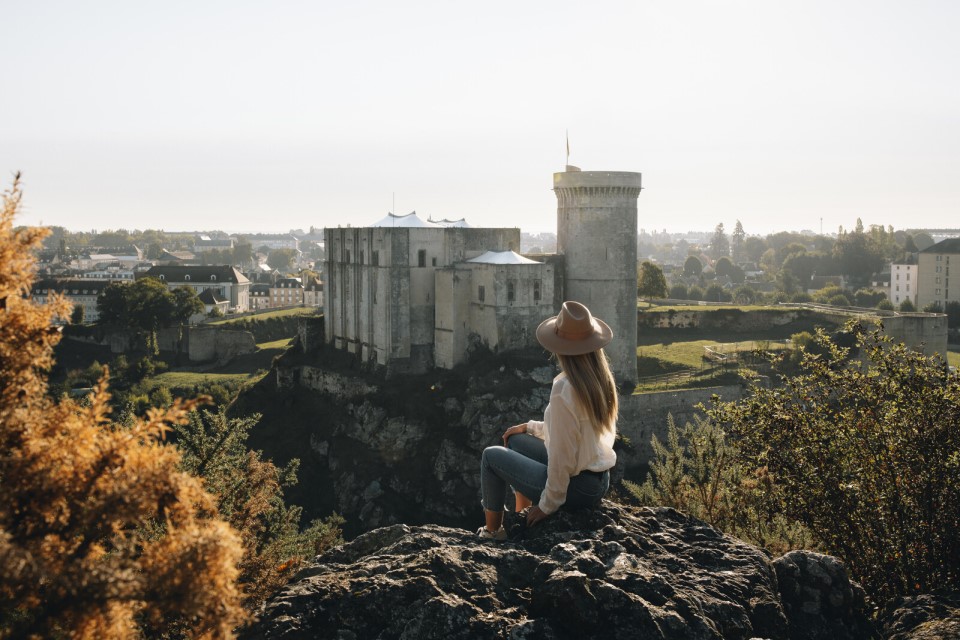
x=523, y=466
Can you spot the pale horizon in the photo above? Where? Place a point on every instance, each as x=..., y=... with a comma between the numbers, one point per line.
x=266, y=118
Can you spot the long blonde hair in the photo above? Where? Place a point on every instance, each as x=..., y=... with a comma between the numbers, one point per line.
x=594, y=385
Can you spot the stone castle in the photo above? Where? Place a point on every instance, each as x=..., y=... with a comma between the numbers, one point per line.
x=410, y=295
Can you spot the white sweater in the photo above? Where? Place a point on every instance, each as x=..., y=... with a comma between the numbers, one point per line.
x=571, y=441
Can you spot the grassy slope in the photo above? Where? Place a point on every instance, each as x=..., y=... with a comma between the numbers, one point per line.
x=296, y=311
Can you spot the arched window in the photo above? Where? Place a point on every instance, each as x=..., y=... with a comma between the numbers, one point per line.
x=186, y=278
x=163, y=277
x=213, y=278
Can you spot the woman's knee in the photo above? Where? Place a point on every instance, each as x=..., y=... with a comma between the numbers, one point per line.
x=490, y=454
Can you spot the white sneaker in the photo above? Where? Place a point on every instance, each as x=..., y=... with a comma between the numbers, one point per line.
x=485, y=534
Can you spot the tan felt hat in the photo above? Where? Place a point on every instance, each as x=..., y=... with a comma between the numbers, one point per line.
x=574, y=331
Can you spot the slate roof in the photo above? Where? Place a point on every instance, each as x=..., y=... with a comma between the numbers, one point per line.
x=67, y=286
x=950, y=245
x=197, y=273
x=209, y=296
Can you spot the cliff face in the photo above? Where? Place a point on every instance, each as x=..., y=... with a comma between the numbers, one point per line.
x=383, y=452
x=613, y=572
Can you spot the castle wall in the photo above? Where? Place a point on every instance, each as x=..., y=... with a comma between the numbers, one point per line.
x=381, y=288
x=597, y=234
x=453, y=288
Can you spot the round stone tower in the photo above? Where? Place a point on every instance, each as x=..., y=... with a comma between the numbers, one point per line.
x=597, y=234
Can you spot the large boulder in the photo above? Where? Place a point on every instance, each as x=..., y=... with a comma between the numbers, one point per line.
x=612, y=572
x=923, y=617
x=819, y=598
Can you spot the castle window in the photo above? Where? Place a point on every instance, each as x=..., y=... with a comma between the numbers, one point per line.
x=908, y=276
x=348, y=255
x=511, y=291
x=376, y=258
x=422, y=258
x=481, y=293
x=433, y=262
x=536, y=291
x=361, y=256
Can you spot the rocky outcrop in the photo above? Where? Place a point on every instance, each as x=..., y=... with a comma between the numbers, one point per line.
x=613, y=572
x=924, y=617
x=819, y=598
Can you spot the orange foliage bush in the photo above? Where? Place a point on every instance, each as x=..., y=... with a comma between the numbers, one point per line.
x=101, y=536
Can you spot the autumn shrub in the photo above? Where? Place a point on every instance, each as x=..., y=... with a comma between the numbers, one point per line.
x=866, y=454
x=102, y=535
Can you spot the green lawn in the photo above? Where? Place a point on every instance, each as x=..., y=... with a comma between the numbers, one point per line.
x=693, y=306
x=276, y=344
x=690, y=353
x=296, y=311
x=173, y=379
x=953, y=357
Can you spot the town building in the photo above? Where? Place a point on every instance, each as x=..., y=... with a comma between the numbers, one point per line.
x=79, y=292
x=313, y=293
x=933, y=267
x=228, y=283
x=904, y=280
x=286, y=292
x=259, y=296
x=409, y=294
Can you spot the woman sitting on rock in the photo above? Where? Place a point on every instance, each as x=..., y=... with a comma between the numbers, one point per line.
x=566, y=458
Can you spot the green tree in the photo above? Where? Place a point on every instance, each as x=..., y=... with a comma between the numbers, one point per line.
x=250, y=498
x=725, y=267
x=865, y=453
x=720, y=244
x=692, y=267
x=678, y=291
x=868, y=298
x=186, y=304
x=754, y=248
x=76, y=316
x=907, y=306
x=700, y=471
x=716, y=293
x=738, y=243
x=650, y=281
x=952, y=309
x=281, y=259
x=858, y=257
x=745, y=295
x=146, y=305
x=802, y=266
x=242, y=254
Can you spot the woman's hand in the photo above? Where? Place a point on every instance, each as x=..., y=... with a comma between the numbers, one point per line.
x=514, y=430
x=534, y=515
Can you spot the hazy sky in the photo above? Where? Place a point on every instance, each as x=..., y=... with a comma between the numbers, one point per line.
x=267, y=116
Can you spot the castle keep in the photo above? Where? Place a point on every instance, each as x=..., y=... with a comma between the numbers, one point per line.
x=410, y=295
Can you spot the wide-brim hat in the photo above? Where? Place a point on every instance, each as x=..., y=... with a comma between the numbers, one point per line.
x=574, y=331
